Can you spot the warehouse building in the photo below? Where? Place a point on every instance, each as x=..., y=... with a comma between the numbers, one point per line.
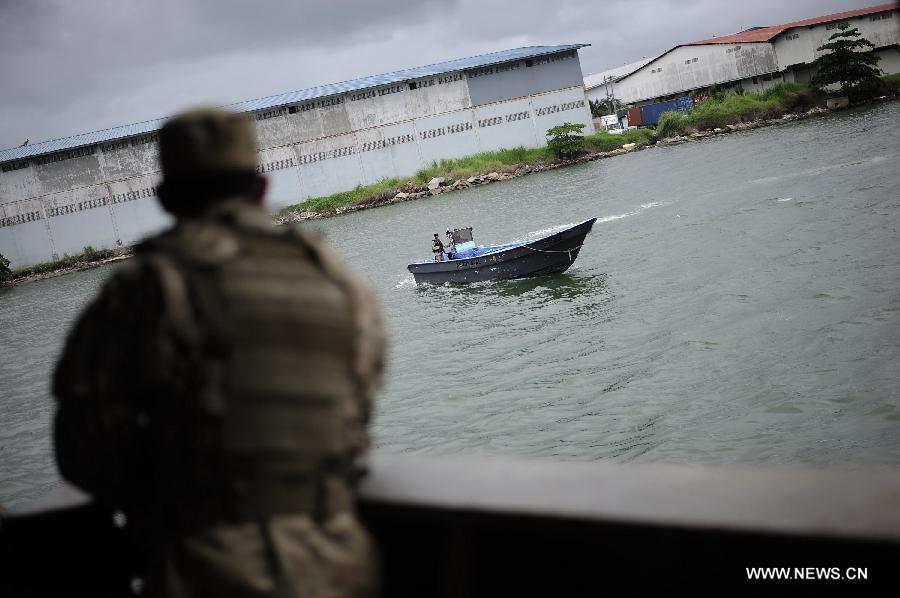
x=99, y=188
x=758, y=58
x=601, y=86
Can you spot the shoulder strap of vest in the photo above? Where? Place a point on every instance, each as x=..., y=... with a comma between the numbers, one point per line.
x=196, y=319
x=176, y=296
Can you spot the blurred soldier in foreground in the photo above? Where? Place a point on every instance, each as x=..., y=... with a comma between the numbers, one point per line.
x=219, y=388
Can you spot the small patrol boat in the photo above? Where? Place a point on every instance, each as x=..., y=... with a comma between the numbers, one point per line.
x=468, y=262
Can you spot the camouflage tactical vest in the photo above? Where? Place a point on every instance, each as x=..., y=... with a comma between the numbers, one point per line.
x=273, y=410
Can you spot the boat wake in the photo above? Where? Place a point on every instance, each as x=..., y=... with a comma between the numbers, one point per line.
x=549, y=231
x=813, y=172
x=407, y=281
x=554, y=229
x=643, y=207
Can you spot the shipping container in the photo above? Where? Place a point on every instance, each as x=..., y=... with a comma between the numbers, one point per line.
x=634, y=116
x=650, y=113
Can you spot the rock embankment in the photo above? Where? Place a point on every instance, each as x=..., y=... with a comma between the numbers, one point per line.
x=54, y=271
x=743, y=126
x=439, y=185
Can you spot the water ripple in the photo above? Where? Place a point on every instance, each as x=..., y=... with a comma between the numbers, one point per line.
x=736, y=302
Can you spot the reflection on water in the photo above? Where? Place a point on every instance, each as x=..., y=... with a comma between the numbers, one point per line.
x=559, y=286
x=550, y=287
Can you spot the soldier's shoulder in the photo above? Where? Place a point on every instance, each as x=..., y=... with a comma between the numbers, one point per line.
x=133, y=283
x=157, y=242
x=321, y=252
x=196, y=241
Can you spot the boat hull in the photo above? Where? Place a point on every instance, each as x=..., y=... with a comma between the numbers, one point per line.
x=547, y=255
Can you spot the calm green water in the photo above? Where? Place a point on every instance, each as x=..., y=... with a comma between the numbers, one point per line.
x=737, y=303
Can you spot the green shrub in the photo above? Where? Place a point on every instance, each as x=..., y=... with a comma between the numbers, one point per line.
x=783, y=91
x=5, y=272
x=847, y=59
x=450, y=169
x=891, y=83
x=90, y=254
x=603, y=141
x=672, y=123
x=883, y=86
x=458, y=168
x=730, y=109
x=800, y=101
x=603, y=107
x=360, y=193
x=565, y=140
x=719, y=110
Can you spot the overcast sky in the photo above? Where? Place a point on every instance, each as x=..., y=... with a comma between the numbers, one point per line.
x=73, y=66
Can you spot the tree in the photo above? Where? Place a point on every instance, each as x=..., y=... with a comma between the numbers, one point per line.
x=849, y=61
x=603, y=107
x=5, y=272
x=565, y=140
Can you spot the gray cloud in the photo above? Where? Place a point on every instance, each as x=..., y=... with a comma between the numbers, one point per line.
x=71, y=66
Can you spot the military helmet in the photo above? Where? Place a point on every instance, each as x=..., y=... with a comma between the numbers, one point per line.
x=207, y=142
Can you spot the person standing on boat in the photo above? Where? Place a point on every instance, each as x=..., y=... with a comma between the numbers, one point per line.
x=218, y=389
x=451, y=244
x=437, y=248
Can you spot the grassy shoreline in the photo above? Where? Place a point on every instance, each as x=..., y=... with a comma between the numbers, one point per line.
x=88, y=258
x=718, y=114
x=713, y=117
x=456, y=169
x=721, y=111
x=775, y=102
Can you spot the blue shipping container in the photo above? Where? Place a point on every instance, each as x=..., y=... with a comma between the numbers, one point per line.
x=650, y=113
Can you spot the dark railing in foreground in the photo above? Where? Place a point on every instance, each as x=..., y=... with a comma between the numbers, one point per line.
x=483, y=527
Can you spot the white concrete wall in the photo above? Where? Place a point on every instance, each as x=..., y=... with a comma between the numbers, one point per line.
x=388, y=152
x=448, y=135
x=80, y=201
x=106, y=197
x=338, y=163
x=126, y=158
x=798, y=46
x=19, y=184
x=70, y=220
x=524, y=78
x=602, y=92
x=500, y=125
x=678, y=71
x=724, y=63
x=26, y=244
x=890, y=60
x=568, y=105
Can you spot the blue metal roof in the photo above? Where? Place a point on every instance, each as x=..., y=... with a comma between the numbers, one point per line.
x=460, y=64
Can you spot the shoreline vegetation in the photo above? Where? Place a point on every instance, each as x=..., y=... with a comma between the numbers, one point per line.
x=720, y=114
x=459, y=173
x=717, y=115
x=87, y=259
